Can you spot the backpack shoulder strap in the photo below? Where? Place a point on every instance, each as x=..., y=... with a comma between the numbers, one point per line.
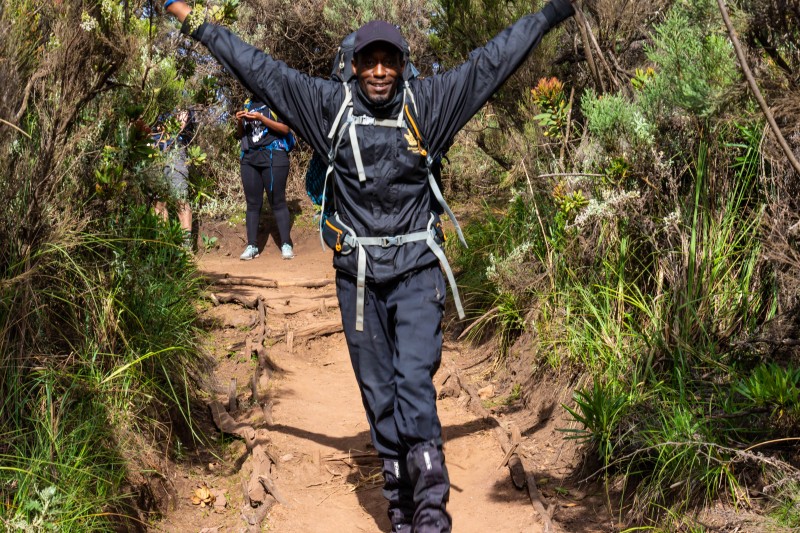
x=410, y=112
x=335, y=136
x=347, y=102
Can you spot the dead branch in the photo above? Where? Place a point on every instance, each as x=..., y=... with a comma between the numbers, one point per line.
x=599, y=51
x=580, y=19
x=320, y=329
x=301, y=305
x=260, y=486
x=7, y=123
x=232, y=402
x=751, y=81
x=263, y=283
x=536, y=501
x=346, y=456
x=568, y=127
x=270, y=487
x=480, y=320
x=308, y=284
x=262, y=323
x=233, y=299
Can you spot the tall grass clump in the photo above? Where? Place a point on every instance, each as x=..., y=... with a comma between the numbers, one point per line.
x=99, y=354
x=506, y=261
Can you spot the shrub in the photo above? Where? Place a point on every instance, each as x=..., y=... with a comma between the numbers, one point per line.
x=695, y=63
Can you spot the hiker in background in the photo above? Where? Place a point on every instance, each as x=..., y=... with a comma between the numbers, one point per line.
x=176, y=172
x=383, y=134
x=266, y=142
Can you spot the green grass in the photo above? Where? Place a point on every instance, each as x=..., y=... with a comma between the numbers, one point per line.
x=653, y=321
x=98, y=359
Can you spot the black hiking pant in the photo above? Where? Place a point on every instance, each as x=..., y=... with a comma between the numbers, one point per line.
x=271, y=176
x=394, y=359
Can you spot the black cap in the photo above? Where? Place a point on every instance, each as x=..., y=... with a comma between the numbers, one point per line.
x=378, y=31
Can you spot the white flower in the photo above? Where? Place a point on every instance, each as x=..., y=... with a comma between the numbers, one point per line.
x=673, y=219
x=612, y=205
x=88, y=22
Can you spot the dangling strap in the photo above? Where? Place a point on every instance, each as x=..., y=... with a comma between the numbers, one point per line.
x=438, y=194
x=437, y=250
x=451, y=279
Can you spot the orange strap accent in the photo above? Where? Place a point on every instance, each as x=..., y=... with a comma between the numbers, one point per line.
x=422, y=150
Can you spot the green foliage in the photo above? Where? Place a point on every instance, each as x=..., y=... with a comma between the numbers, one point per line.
x=355, y=13
x=569, y=203
x=599, y=410
x=209, y=242
x=680, y=463
x=499, y=270
x=549, y=97
x=615, y=122
x=695, y=64
x=773, y=387
x=98, y=349
x=120, y=302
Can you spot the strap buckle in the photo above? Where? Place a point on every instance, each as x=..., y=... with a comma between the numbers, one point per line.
x=390, y=241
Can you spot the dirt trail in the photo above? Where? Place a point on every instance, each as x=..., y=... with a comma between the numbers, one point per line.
x=317, y=417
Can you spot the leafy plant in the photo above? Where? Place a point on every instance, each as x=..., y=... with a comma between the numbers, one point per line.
x=616, y=122
x=695, y=64
x=209, y=242
x=771, y=386
x=599, y=410
x=548, y=95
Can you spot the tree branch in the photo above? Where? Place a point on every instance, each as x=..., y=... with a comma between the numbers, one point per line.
x=751, y=81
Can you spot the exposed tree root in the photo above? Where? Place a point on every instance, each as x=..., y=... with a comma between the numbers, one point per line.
x=452, y=384
x=274, y=284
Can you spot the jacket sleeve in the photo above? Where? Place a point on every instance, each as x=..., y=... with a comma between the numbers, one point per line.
x=300, y=100
x=450, y=99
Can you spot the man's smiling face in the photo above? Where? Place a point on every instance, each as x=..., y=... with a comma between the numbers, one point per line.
x=379, y=68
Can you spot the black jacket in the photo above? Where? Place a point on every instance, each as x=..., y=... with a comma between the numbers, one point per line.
x=396, y=198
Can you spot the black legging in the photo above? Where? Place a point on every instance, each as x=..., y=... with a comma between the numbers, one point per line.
x=272, y=178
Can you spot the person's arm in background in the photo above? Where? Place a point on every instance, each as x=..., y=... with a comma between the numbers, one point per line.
x=240, y=115
x=273, y=125
x=453, y=97
x=301, y=99
x=179, y=9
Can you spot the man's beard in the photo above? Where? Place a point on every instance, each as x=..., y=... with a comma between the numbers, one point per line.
x=381, y=100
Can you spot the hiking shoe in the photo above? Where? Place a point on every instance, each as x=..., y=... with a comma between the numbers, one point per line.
x=251, y=252
x=287, y=252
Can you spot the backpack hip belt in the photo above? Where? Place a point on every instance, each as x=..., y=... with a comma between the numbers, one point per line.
x=429, y=236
